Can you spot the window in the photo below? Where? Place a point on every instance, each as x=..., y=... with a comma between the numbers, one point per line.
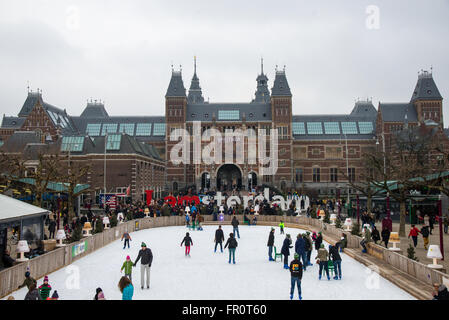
x=159, y=129
x=314, y=128
x=334, y=152
x=283, y=132
x=113, y=141
x=299, y=176
x=127, y=128
x=72, y=144
x=228, y=114
x=315, y=151
x=316, y=174
x=349, y=128
x=331, y=128
x=93, y=129
x=351, y=174
x=109, y=128
x=143, y=129
x=298, y=128
x=334, y=174
x=365, y=127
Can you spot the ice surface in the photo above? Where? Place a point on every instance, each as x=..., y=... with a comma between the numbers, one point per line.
x=207, y=275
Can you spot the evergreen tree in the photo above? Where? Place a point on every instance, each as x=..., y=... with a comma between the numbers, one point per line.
x=338, y=223
x=411, y=253
x=113, y=220
x=98, y=225
x=77, y=233
x=355, y=229
x=326, y=218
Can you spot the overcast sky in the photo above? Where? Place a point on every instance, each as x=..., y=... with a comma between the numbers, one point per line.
x=122, y=51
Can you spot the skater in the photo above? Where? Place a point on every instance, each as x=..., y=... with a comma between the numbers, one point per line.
x=440, y=292
x=128, y=266
x=232, y=243
x=385, y=235
x=309, y=246
x=366, y=239
x=425, y=235
x=44, y=289
x=33, y=293
x=99, y=295
x=375, y=235
x=286, y=249
x=281, y=226
x=126, y=288
x=28, y=281
x=270, y=245
x=219, y=238
x=127, y=238
x=314, y=236
x=336, y=259
x=414, y=231
x=187, y=241
x=235, y=225
x=343, y=242
x=296, y=276
x=300, y=249
x=322, y=259
x=145, y=265
x=318, y=241
x=187, y=220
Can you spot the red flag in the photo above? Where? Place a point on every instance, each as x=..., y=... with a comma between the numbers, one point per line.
x=128, y=190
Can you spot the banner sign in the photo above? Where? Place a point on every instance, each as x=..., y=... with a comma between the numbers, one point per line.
x=79, y=248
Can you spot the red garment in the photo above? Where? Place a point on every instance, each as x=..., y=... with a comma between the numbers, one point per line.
x=187, y=249
x=414, y=232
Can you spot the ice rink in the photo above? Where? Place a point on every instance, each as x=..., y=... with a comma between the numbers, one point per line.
x=207, y=275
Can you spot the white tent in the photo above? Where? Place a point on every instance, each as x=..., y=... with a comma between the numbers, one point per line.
x=13, y=209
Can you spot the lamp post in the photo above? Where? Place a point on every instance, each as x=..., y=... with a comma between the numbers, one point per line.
x=440, y=225
x=347, y=162
x=104, y=168
x=388, y=206
x=358, y=209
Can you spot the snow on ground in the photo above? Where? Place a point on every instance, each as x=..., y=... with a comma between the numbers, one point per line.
x=207, y=275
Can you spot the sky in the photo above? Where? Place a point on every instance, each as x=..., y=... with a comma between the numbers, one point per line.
x=122, y=52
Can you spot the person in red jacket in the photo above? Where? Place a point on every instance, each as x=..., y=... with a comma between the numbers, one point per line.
x=414, y=231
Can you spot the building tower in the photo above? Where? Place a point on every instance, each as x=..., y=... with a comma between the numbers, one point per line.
x=262, y=93
x=195, y=94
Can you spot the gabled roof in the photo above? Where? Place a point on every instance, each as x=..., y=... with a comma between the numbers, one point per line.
x=18, y=140
x=395, y=112
x=280, y=86
x=94, y=110
x=425, y=88
x=12, y=122
x=364, y=108
x=176, y=86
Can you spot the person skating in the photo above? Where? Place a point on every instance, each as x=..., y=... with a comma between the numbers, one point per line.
x=309, y=246
x=336, y=259
x=286, y=245
x=440, y=292
x=187, y=241
x=28, y=281
x=145, y=265
x=300, y=249
x=414, y=231
x=235, y=226
x=425, y=235
x=322, y=258
x=127, y=238
x=33, y=293
x=126, y=288
x=128, y=266
x=366, y=239
x=232, y=243
x=296, y=276
x=385, y=236
x=99, y=295
x=44, y=289
x=219, y=238
x=281, y=227
x=318, y=241
x=270, y=245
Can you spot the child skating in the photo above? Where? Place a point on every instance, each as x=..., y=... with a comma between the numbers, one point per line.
x=232, y=243
x=281, y=226
x=128, y=266
x=187, y=241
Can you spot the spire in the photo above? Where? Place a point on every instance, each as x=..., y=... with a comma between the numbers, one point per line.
x=262, y=93
x=195, y=93
x=280, y=86
x=425, y=88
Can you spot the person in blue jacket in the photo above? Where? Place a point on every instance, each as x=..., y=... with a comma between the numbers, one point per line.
x=126, y=288
x=286, y=249
x=300, y=249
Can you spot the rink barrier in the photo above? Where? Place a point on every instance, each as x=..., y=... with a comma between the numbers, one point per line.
x=45, y=264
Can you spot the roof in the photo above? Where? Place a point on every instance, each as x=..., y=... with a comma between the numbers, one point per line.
x=252, y=111
x=13, y=209
x=18, y=140
x=362, y=108
x=280, y=85
x=176, y=85
x=94, y=110
x=425, y=88
x=12, y=122
x=395, y=112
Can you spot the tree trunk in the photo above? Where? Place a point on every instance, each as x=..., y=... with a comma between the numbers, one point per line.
x=70, y=205
x=369, y=202
x=402, y=219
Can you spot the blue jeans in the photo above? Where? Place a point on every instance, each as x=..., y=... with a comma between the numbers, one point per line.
x=324, y=264
x=304, y=259
x=295, y=280
x=232, y=252
x=270, y=252
x=337, y=267
x=126, y=242
x=236, y=232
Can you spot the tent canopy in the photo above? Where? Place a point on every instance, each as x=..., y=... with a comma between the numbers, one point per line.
x=13, y=209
